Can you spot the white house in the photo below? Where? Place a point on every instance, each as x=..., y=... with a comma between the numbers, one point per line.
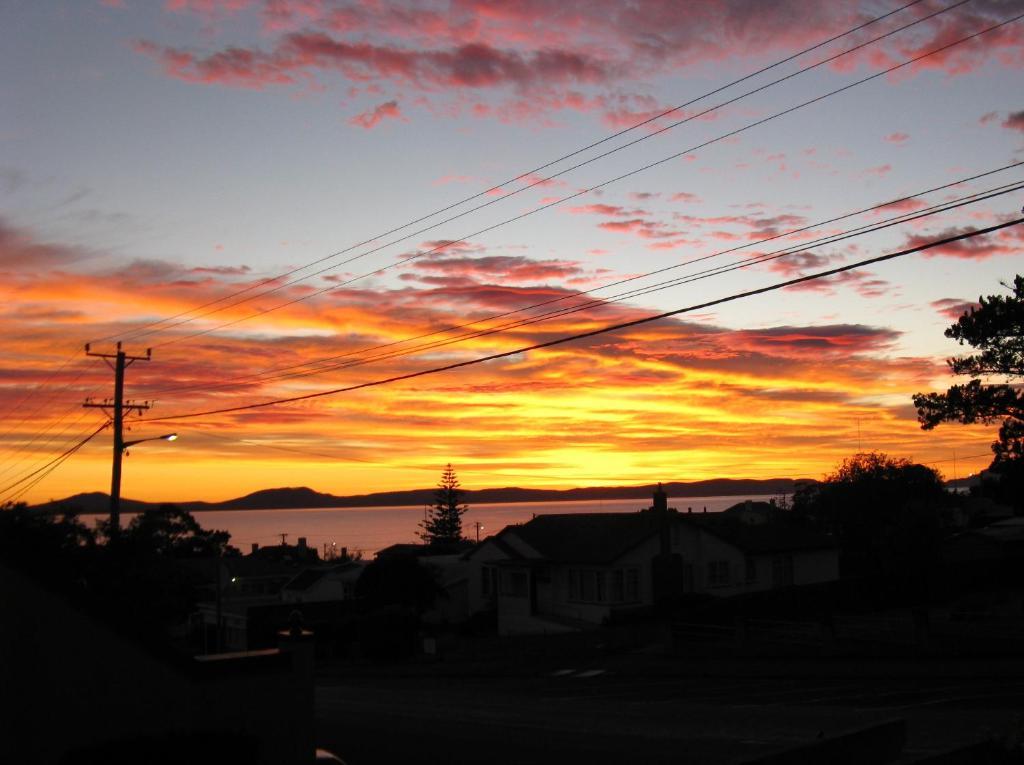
x=314, y=585
x=563, y=572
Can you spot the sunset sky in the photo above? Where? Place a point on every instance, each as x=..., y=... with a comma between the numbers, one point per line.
x=156, y=157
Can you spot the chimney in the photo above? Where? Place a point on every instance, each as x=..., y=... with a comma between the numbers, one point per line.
x=344, y=553
x=660, y=510
x=255, y=547
x=660, y=500
x=302, y=542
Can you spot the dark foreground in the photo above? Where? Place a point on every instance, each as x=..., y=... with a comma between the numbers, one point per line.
x=657, y=710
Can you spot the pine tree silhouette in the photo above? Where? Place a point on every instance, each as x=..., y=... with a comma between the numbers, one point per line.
x=443, y=524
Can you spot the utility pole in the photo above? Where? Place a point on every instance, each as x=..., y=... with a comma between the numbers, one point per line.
x=478, y=527
x=116, y=409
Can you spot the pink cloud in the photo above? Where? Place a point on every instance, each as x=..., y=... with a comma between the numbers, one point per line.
x=798, y=263
x=952, y=308
x=599, y=209
x=836, y=339
x=451, y=178
x=684, y=196
x=466, y=66
x=20, y=251
x=903, y=205
x=370, y=119
x=544, y=55
x=860, y=281
x=880, y=170
x=645, y=229
x=1014, y=121
x=1005, y=242
x=897, y=138
x=505, y=269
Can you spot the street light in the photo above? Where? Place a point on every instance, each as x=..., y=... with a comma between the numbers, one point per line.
x=166, y=437
x=120, y=448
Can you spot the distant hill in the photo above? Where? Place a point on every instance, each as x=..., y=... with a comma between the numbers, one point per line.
x=303, y=497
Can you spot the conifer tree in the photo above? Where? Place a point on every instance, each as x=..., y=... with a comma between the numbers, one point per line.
x=443, y=524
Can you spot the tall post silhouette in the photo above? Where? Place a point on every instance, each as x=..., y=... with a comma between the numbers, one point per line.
x=116, y=409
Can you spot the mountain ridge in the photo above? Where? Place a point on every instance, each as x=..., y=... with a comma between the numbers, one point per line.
x=302, y=497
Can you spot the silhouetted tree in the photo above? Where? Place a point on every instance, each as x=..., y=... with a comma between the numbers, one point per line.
x=55, y=543
x=996, y=330
x=172, y=532
x=885, y=513
x=443, y=526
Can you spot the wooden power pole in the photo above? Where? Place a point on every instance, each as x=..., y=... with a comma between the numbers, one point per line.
x=116, y=409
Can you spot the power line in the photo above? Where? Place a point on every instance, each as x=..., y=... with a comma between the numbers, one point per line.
x=607, y=329
x=529, y=173
x=556, y=313
x=14, y=463
x=465, y=238
x=52, y=464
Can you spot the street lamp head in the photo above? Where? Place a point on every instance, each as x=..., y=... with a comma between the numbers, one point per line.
x=165, y=437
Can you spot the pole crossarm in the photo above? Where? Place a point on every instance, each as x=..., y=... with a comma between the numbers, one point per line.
x=117, y=408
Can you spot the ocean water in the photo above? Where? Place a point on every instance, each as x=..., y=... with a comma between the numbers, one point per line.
x=369, y=529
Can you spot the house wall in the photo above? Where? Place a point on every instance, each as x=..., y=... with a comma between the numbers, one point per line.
x=486, y=554
x=553, y=597
x=515, y=612
x=814, y=566
x=699, y=549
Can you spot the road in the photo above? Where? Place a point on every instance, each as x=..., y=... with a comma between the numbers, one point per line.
x=625, y=711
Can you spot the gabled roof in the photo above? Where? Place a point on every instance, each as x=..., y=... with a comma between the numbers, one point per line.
x=497, y=541
x=761, y=538
x=305, y=580
x=587, y=537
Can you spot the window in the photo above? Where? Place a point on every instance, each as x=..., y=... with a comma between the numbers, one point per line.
x=718, y=573
x=617, y=587
x=620, y=585
x=485, y=581
x=632, y=589
x=516, y=584
x=751, y=570
x=782, y=570
x=588, y=590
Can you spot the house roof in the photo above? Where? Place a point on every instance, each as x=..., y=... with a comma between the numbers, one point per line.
x=310, y=576
x=604, y=537
x=497, y=541
x=587, y=537
x=756, y=506
x=305, y=579
x=761, y=538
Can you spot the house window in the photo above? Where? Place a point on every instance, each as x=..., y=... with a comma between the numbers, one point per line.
x=718, y=573
x=751, y=570
x=488, y=581
x=632, y=585
x=588, y=589
x=617, y=587
x=516, y=584
x=782, y=570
